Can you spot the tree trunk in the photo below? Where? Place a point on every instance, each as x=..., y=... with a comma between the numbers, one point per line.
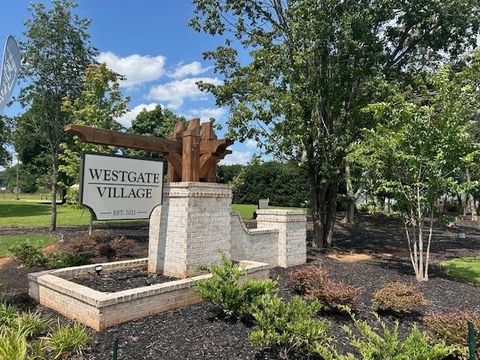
x=350, y=212
x=53, y=215
x=323, y=203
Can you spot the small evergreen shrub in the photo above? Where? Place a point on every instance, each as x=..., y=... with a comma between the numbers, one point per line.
x=82, y=244
x=224, y=289
x=386, y=343
x=68, y=340
x=63, y=259
x=398, y=297
x=122, y=246
x=335, y=295
x=290, y=327
x=452, y=327
x=306, y=277
x=28, y=254
x=105, y=250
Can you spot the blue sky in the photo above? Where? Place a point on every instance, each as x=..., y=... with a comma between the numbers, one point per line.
x=149, y=42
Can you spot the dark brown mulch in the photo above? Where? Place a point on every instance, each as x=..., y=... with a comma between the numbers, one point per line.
x=120, y=280
x=197, y=333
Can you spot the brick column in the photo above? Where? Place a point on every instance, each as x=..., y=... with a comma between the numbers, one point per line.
x=292, y=237
x=191, y=228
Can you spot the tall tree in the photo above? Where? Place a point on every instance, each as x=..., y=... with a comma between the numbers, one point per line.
x=99, y=105
x=158, y=122
x=56, y=52
x=314, y=64
x=415, y=156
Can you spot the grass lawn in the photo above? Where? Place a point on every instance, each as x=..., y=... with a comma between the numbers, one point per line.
x=466, y=269
x=245, y=210
x=6, y=241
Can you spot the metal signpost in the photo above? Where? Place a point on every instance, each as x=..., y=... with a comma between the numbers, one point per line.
x=10, y=68
x=116, y=187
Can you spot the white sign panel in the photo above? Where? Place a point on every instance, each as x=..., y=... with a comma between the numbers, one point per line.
x=10, y=69
x=117, y=188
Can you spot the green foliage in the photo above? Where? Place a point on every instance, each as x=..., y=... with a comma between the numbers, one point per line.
x=290, y=327
x=225, y=290
x=63, y=259
x=30, y=325
x=158, y=122
x=12, y=346
x=451, y=327
x=7, y=314
x=284, y=184
x=313, y=65
x=465, y=269
x=68, y=340
x=28, y=254
x=386, y=343
x=398, y=297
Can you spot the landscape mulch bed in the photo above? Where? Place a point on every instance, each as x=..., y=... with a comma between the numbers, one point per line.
x=120, y=280
x=197, y=332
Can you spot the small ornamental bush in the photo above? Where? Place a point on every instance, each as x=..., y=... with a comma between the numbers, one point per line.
x=82, y=244
x=224, y=289
x=63, y=259
x=290, y=327
x=68, y=340
x=335, y=295
x=307, y=277
x=122, y=246
x=105, y=250
x=398, y=297
x=452, y=327
x=28, y=254
x=386, y=343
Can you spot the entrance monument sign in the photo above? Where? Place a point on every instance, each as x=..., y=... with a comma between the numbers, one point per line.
x=117, y=188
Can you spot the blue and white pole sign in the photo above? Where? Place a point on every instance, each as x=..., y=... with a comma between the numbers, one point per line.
x=10, y=68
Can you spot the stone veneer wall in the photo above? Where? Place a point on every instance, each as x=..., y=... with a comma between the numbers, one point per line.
x=279, y=239
x=190, y=228
x=292, y=234
x=101, y=310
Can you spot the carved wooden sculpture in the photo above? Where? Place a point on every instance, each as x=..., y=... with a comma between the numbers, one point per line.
x=192, y=150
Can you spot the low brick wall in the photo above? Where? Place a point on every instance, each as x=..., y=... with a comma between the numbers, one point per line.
x=101, y=310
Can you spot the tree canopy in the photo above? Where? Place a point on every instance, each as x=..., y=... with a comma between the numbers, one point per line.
x=314, y=65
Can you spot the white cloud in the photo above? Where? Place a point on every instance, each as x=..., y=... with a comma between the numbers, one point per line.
x=237, y=157
x=206, y=113
x=173, y=93
x=126, y=119
x=182, y=70
x=251, y=144
x=136, y=68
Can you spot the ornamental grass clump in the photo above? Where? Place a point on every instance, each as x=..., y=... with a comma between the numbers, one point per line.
x=399, y=298
x=290, y=327
x=225, y=290
x=64, y=340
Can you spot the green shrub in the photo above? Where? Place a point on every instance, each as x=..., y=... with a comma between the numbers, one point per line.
x=12, y=346
x=122, y=246
x=28, y=254
x=452, y=327
x=307, y=277
x=7, y=314
x=290, y=327
x=398, y=297
x=225, y=290
x=63, y=259
x=386, y=343
x=335, y=295
x=68, y=340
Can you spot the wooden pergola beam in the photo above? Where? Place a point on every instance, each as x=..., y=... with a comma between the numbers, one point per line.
x=114, y=138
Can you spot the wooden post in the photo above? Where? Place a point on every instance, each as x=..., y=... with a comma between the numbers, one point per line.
x=191, y=152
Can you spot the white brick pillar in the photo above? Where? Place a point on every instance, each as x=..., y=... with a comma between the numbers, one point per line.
x=190, y=228
x=292, y=236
